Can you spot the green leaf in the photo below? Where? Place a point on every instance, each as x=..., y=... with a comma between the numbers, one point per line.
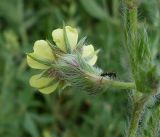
x=93, y=9
x=30, y=126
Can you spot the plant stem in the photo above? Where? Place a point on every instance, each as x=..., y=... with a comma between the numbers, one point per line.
x=138, y=104
x=111, y=83
x=118, y=84
x=132, y=15
x=136, y=115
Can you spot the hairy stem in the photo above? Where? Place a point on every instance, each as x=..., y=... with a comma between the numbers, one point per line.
x=118, y=84
x=107, y=83
x=138, y=108
x=138, y=104
x=132, y=6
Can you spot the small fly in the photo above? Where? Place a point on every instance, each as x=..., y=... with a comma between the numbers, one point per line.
x=111, y=75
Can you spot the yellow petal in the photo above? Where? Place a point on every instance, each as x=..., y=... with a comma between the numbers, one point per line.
x=42, y=51
x=36, y=65
x=88, y=52
x=41, y=83
x=93, y=60
x=49, y=89
x=37, y=81
x=72, y=35
x=59, y=39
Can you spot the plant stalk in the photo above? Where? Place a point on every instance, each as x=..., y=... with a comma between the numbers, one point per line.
x=132, y=6
x=109, y=83
x=138, y=108
x=138, y=104
x=118, y=84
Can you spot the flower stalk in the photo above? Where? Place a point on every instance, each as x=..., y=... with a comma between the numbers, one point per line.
x=109, y=83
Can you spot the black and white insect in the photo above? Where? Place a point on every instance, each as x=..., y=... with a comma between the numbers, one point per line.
x=111, y=75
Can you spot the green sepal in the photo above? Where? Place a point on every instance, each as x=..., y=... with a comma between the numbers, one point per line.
x=55, y=48
x=44, y=73
x=68, y=47
x=83, y=64
x=62, y=86
x=81, y=43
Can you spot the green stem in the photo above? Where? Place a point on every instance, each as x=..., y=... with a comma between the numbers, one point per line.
x=132, y=6
x=118, y=84
x=132, y=16
x=110, y=83
x=133, y=19
x=136, y=115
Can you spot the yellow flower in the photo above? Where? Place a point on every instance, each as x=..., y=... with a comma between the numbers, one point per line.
x=89, y=54
x=72, y=36
x=42, y=51
x=43, y=57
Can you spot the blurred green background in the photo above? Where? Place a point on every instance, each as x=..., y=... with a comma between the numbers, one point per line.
x=24, y=112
